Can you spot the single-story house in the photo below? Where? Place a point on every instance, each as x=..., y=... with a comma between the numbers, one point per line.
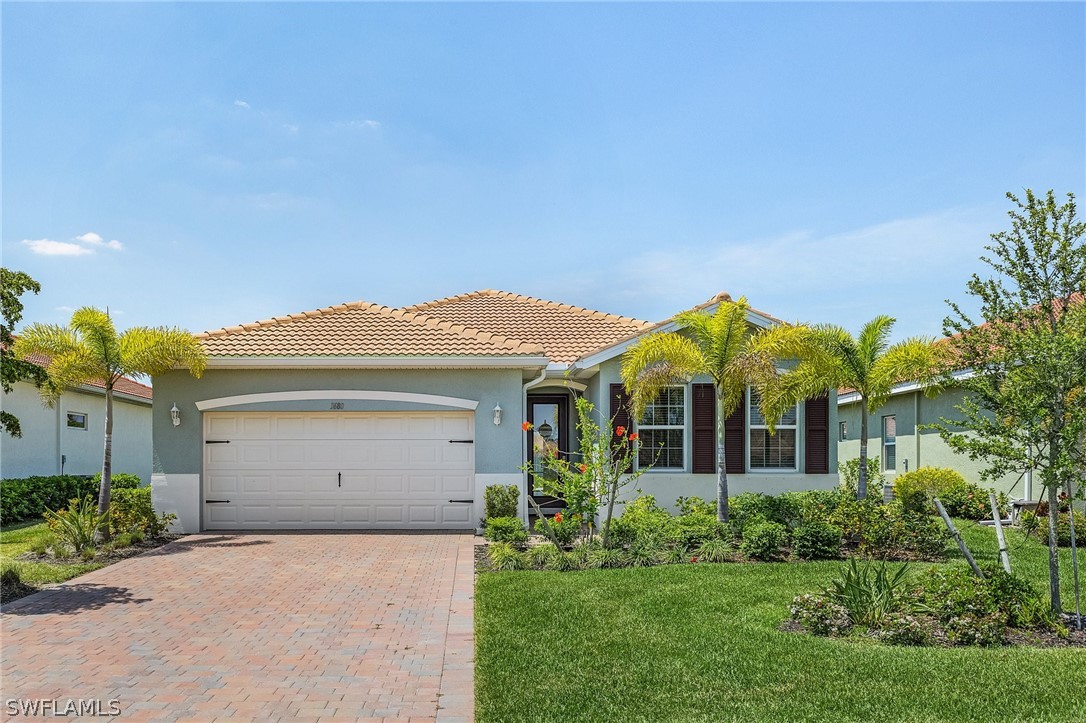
x=896, y=437
x=68, y=438
x=365, y=416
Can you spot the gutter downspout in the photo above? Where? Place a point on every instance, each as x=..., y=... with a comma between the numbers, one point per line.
x=524, y=439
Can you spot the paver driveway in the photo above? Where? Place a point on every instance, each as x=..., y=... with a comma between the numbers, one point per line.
x=258, y=626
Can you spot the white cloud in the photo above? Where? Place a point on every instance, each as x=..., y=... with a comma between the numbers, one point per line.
x=115, y=245
x=48, y=247
x=242, y=104
x=93, y=239
x=359, y=124
x=290, y=128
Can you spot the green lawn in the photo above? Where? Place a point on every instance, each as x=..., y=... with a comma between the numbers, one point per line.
x=18, y=538
x=699, y=643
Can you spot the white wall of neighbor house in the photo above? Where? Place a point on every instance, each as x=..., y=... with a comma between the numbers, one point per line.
x=49, y=444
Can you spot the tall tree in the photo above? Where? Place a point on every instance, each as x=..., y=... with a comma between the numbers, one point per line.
x=829, y=356
x=89, y=349
x=719, y=345
x=13, y=284
x=1024, y=402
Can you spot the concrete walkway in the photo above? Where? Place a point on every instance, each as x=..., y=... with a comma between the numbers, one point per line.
x=316, y=626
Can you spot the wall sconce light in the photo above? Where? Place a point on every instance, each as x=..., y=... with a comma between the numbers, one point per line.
x=175, y=415
x=545, y=430
x=497, y=414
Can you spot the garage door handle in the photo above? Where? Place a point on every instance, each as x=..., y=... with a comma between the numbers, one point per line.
x=340, y=478
x=216, y=441
x=461, y=441
x=217, y=502
x=463, y=502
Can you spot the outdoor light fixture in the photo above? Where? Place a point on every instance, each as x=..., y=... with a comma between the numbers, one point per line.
x=497, y=414
x=175, y=415
x=545, y=430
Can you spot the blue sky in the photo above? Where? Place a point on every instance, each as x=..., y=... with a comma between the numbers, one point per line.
x=829, y=161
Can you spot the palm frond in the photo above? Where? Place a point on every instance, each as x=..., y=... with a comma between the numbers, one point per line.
x=871, y=342
x=155, y=350
x=918, y=359
x=96, y=330
x=656, y=361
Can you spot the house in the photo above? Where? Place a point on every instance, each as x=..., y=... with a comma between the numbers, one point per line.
x=897, y=437
x=67, y=438
x=365, y=416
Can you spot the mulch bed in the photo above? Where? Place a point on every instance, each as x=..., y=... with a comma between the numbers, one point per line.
x=105, y=558
x=1014, y=637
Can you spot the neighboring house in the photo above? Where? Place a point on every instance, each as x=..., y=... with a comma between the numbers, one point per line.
x=68, y=438
x=901, y=447
x=364, y=416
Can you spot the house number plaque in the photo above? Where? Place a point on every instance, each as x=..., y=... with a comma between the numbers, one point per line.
x=337, y=405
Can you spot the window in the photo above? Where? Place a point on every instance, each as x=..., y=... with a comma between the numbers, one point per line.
x=772, y=451
x=843, y=427
x=663, y=431
x=889, y=443
x=77, y=420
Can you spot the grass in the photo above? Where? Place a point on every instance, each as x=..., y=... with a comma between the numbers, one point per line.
x=700, y=643
x=20, y=537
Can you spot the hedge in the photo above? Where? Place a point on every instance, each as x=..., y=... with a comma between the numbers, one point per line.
x=30, y=497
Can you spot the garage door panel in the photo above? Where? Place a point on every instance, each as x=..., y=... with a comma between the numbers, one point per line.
x=352, y=469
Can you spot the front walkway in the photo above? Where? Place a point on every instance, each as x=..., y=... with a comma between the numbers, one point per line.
x=329, y=626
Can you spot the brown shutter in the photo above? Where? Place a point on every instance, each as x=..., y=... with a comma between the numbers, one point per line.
x=704, y=428
x=620, y=411
x=817, y=435
x=735, y=438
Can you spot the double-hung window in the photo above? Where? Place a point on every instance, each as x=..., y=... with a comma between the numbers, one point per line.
x=662, y=431
x=889, y=443
x=772, y=451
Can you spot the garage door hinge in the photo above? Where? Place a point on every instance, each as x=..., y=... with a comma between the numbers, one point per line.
x=216, y=441
x=461, y=441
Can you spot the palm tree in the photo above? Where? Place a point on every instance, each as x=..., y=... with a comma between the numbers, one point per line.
x=718, y=345
x=867, y=364
x=89, y=350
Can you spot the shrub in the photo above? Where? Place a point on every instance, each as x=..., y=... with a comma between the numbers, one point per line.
x=504, y=556
x=622, y=532
x=915, y=490
x=751, y=508
x=904, y=629
x=1063, y=528
x=77, y=526
x=500, y=501
x=870, y=592
x=582, y=551
x=714, y=551
x=645, y=552
x=603, y=557
x=763, y=540
x=678, y=555
x=543, y=555
x=30, y=497
x=505, y=529
x=643, y=517
x=695, y=506
x=849, y=471
x=887, y=531
x=118, y=481
x=820, y=615
x=984, y=630
x=816, y=541
x=812, y=505
x=130, y=510
x=562, y=562
x=968, y=501
x=564, y=529
x=693, y=530
x=954, y=592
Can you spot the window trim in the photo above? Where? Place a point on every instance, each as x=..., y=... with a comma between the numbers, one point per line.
x=842, y=431
x=798, y=426
x=684, y=428
x=68, y=421
x=886, y=444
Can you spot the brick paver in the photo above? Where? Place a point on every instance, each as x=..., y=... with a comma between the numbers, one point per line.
x=313, y=626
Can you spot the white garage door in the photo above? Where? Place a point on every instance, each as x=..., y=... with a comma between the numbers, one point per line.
x=392, y=470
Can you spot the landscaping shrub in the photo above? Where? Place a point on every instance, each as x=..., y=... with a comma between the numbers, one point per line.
x=870, y=592
x=30, y=497
x=763, y=540
x=812, y=505
x=504, y=556
x=77, y=526
x=816, y=541
x=714, y=550
x=505, y=529
x=118, y=481
x=695, y=529
x=983, y=630
x=820, y=615
x=753, y=507
x=564, y=529
x=888, y=532
x=904, y=629
x=915, y=490
x=644, y=517
x=1063, y=528
x=969, y=501
x=542, y=556
x=695, y=506
x=500, y=501
x=849, y=472
x=130, y=510
x=562, y=562
x=645, y=552
x=607, y=558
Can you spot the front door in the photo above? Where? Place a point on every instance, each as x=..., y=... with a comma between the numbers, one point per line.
x=549, y=417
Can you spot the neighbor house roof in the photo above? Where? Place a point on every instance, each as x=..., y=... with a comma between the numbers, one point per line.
x=565, y=332
x=124, y=385
x=361, y=329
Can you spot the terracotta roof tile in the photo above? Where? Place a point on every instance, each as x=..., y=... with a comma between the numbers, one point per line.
x=124, y=385
x=565, y=332
x=361, y=329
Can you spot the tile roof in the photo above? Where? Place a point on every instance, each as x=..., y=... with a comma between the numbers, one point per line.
x=565, y=332
x=124, y=385
x=361, y=329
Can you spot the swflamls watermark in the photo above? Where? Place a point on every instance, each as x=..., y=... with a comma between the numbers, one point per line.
x=62, y=707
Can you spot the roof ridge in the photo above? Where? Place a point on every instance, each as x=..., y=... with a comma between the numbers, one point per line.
x=524, y=297
x=287, y=319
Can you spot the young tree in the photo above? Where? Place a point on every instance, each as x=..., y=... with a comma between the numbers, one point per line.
x=718, y=345
x=14, y=284
x=1025, y=399
x=89, y=349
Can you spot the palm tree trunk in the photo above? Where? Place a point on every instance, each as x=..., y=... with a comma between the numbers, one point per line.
x=861, y=483
x=107, y=464
x=722, y=512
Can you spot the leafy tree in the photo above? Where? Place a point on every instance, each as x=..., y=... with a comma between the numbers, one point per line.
x=14, y=284
x=1025, y=399
x=719, y=345
x=830, y=357
x=91, y=350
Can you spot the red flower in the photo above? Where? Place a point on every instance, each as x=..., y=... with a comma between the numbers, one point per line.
x=584, y=468
x=558, y=517
x=526, y=426
x=693, y=559
x=633, y=436
x=620, y=431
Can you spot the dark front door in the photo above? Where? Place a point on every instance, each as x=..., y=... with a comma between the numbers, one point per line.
x=549, y=416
